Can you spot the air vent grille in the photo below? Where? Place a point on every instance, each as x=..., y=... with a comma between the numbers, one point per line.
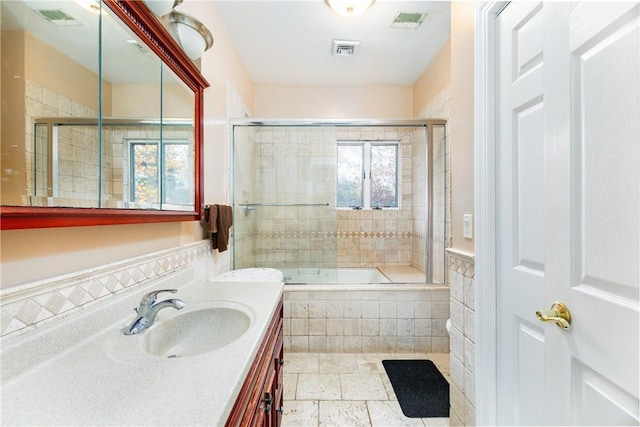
x=58, y=17
x=408, y=20
x=345, y=47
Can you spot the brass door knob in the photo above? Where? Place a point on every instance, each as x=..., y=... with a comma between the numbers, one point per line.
x=559, y=314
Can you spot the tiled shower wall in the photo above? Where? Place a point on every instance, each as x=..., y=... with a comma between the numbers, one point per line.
x=297, y=165
x=439, y=108
x=294, y=165
x=359, y=321
x=244, y=229
x=370, y=238
x=78, y=150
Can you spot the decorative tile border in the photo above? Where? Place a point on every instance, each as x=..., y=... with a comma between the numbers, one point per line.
x=28, y=306
x=341, y=234
x=385, y=234
x=461, y=262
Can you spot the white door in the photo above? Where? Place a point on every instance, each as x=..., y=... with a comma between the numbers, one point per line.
x=568, y=212
x=520, y=214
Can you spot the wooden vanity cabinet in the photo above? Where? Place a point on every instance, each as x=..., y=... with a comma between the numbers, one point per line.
x=259, y=402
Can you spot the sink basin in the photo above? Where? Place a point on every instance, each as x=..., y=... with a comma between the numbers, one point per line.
x=196, y=332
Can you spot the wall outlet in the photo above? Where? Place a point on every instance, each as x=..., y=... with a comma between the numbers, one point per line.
x=467, y=226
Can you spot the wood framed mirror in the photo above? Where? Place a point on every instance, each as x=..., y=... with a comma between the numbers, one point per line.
x=126, y=146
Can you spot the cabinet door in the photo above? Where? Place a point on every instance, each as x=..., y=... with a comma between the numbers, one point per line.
x=278, y=386
x=264, y=412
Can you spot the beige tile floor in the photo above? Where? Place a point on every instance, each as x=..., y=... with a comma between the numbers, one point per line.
x=345, y=389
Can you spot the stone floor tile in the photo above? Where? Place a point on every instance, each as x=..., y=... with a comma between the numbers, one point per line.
x=325, y=383
x=290, y=384
x=388, y=413
x=337, y=363
x=388, y=387
x=344, y=414
x=301, y=362
x=318, y=387
x=371, y=363
x=435, y=422
x=362, y=387
x=302, y=413
x=441, y=360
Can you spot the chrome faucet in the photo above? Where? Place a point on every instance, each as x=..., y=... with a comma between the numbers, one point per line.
x=148, y=310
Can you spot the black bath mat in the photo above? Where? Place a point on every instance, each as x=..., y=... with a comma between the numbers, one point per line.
x=421, y=389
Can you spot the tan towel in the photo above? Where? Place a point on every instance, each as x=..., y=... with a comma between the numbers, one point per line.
x=219, y=220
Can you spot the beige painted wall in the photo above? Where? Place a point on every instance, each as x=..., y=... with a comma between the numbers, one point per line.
x=220, y=65
x=29, y=255
x=462, y=118
x=330, y=102
x=12, y=136
x=143, y=100
x=51, y=68
x=433, y=79
x=27, y=58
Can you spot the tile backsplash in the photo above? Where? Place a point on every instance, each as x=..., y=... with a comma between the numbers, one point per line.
x=28, y=306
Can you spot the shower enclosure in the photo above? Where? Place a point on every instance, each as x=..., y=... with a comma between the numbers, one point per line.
x=341, y=201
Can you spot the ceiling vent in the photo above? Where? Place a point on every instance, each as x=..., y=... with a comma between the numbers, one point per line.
x=136, y=44
x=408, y=20
x=344, y=47
x=58, y=17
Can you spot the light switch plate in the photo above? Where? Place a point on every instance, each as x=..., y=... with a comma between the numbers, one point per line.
x=467, y=226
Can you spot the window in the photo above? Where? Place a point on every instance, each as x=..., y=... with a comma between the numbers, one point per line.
x=367, y=175
x=161, y=173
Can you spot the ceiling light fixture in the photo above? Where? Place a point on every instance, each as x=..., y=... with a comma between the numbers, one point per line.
x=192, y=36
x=349, y=8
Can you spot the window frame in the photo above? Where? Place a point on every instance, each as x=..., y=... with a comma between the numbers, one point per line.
x=366, y=173
x=161, y=153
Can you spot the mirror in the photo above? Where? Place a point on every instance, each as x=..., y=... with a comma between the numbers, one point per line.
x=101, y=115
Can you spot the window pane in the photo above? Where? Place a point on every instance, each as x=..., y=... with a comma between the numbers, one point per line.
x=178, y=176
x=384, y=176
x=349, y=171
x=145, y=174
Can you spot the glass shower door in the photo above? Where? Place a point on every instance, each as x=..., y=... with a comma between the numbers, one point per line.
x=284, y=200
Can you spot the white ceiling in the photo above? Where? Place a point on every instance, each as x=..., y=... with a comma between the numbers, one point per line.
x=289, y=42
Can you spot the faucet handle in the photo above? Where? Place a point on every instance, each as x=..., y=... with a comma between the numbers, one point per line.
x=150, y=298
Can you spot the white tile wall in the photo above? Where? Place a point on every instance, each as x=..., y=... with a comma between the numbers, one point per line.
x=462, y=358
x=344, y=321
x=77, y=146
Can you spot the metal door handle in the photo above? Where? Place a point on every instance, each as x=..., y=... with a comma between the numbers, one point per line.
x=559, y=314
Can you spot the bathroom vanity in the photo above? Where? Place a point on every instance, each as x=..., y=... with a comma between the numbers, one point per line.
x=260, y=400
x=83, y=370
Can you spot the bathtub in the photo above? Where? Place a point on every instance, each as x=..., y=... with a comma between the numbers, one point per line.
x=362, y=312
x=298, y=276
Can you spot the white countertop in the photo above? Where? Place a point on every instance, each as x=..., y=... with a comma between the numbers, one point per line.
x=82, y=371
